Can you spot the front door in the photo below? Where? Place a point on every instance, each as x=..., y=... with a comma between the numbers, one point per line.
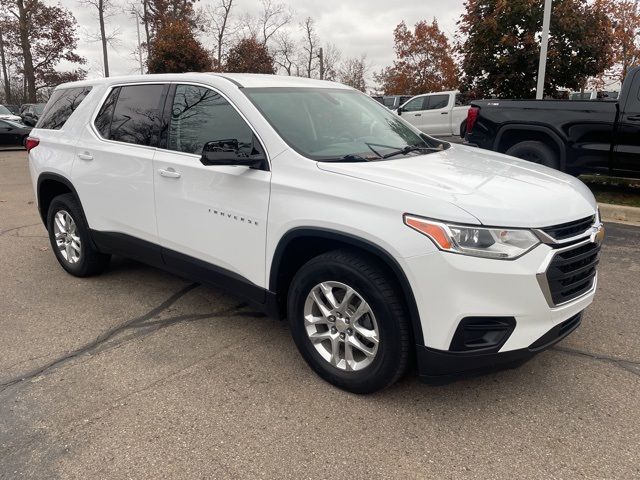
x=626, y=156
x=210, y=218
x=412, y=111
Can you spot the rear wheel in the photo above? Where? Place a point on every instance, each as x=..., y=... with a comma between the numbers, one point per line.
x=535, y=152
x=348, y=321
x=70, y=238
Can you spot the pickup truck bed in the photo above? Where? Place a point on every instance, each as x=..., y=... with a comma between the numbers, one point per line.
x=592, y=136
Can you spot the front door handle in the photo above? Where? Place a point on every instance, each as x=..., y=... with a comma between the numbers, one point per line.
x=169, y=173
x=85, y=156
x=444, y=113
x=417, y=115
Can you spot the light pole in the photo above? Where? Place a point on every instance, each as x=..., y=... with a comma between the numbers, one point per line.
x=544, y=44
x=134, y=13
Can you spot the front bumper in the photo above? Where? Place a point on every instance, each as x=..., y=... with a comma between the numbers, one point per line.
x=450, y=288
x=438, y=367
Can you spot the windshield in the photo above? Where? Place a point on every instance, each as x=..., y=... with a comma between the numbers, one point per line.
x=329, y=124
x=5, y=111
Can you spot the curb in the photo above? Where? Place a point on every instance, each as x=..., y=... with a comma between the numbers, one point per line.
x=620, y=213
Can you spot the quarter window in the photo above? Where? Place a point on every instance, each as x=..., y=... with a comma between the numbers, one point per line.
x=136, y=115
x=200, y=115
x=60, y=107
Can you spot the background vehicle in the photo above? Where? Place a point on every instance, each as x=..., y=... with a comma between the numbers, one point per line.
x=30, y=113
x=593, y=95
x=15, y=109
x=577, y=137
x=392, y=102
x=6, y=114
x=13, y=133
x=439, y=114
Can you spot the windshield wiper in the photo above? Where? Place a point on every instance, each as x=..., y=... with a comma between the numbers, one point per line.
x=348, y=158
x=411, y=148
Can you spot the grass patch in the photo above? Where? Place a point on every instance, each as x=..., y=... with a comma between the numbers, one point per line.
x=619, y=191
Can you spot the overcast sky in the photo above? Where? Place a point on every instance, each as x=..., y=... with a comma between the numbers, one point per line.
x=356, y=27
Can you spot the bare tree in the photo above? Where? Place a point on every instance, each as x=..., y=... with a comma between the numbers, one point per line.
x=310, y=46
x=269, y=21
x=105, y=9
x=330, y=61
x=219, y=16
x=286, y=52
x=5, y=72
x=353, y=72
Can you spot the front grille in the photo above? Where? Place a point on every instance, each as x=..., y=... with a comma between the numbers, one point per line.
x=570, y=229
x=572, y=272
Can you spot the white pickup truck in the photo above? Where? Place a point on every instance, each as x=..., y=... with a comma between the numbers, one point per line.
x=439, y=114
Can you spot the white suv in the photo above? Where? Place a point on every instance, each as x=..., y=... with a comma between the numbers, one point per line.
x=382, y=246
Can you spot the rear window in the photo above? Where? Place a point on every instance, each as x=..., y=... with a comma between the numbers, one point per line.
x=60, y=107
x=132, y=114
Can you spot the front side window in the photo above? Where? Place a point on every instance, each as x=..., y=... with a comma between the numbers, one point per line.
x=200, y=115
x=60, y=107
x=4, y=110
x=415, y=105
x=132, y=114
x=436, y=102
x=329, y=124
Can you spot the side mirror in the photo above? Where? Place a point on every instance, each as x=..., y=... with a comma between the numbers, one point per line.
x=400, y=110
x=232, y=152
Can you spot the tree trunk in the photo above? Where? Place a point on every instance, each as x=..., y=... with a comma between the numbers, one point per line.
x=145, y=17
x=25, y=44
x=5, y=75
x=103, y=37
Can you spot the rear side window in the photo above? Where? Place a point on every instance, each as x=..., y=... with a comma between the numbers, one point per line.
x=60, y=107
x=200, y=115
x=132, y=114
x=436, y=102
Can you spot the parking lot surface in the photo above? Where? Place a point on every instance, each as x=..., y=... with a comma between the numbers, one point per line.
x=141, y=374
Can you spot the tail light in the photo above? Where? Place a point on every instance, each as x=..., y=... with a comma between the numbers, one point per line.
x=31, y=143
x=472, y=116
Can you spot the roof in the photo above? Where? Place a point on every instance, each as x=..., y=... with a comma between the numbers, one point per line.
x=249, y=80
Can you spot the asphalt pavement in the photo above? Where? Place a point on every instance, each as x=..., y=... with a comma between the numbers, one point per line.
x=141, y=374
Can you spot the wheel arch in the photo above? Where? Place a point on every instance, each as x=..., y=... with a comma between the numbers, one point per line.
x=301, y=244
x=51, y=185
x=510, y=135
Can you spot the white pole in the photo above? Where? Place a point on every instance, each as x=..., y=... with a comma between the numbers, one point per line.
x=544, y=43
x=139, y=44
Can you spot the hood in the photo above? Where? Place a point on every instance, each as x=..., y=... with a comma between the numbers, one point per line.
x=496, y=189
x=11, y=117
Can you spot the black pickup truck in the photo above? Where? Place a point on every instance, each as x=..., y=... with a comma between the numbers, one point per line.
x=592, y=136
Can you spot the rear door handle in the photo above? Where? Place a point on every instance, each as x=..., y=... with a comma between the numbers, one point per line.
x=169, y=173
x=417, y=114
x=85, y=156
x=444, y=113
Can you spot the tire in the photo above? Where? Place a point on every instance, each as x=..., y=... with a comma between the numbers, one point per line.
x=81, y=258
x=387, y=316
x=463, y=129
x=535, y=152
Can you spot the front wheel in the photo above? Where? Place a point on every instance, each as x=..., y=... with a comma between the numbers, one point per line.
x=349, y=322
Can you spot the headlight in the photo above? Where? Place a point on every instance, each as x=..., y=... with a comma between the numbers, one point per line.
x=500, y=243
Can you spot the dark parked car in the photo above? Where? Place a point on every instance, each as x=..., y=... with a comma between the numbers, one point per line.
x=13, y=133
x=30, y=113
x=392, y=102
x=594, y=136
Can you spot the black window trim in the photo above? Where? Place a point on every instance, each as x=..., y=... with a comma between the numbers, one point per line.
x=167, y=105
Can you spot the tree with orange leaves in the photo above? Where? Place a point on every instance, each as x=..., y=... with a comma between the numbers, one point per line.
x=625, y=17
x=424, y=62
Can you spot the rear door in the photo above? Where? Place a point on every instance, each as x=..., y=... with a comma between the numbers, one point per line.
x=626, y=159
x=113, y=171
x=210, y=218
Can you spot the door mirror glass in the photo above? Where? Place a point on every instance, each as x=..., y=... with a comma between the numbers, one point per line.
x=232, y=152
